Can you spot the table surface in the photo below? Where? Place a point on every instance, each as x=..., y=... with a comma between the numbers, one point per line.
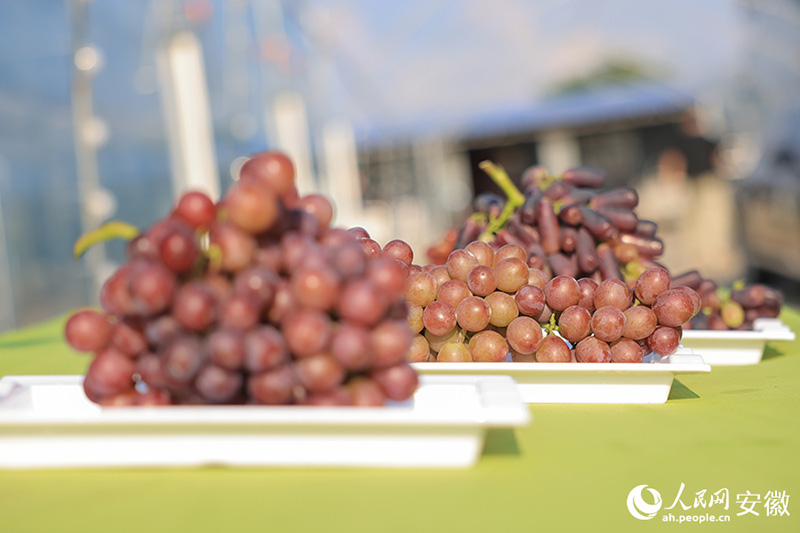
x=571, y=469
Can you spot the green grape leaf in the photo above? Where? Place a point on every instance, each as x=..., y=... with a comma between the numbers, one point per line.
x=114, y=229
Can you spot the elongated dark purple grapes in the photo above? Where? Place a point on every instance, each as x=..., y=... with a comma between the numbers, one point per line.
x=569, y=239
x=527, y=212
x=548, y=228
x=646, y=247
x=622, y=217
x=597, y=224
x=646, y=228
x=563, y=265
x=571, y=215
x=469, y=232
x=585, y=177
x=525, y=233
x=691, y=279
x=556, y=190
x=585, y=252
x=607, y=262
x=621, y=197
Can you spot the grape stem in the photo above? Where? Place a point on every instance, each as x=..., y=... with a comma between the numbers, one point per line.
x=551, y=325
x=514, y=198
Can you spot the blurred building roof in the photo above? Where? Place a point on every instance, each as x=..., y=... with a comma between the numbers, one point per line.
x=592, y=107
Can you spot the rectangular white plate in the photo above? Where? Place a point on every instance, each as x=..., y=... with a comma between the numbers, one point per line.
x=585, y=382
x=737, y=347
x=47, y=421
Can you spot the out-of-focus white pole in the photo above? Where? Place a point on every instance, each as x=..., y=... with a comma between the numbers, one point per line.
x=184, y=97
x=342, y=180
x=558, y=151
x=291, y=125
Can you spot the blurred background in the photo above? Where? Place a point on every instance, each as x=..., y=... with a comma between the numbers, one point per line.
x=109, y=109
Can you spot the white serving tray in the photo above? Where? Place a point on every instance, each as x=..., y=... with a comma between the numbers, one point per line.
x=584, y=382
x=737, y=347
x=47, y=421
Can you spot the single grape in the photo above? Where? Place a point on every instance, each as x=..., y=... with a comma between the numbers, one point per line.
x=594, y=350
x=318, y=207
x=460, y=263
x=272, y=169
x=128, y=337
x=414, y=319
x=511, y=273
x=454, y=352
x=608, y=324
x=88, y=331
x=440, y=275
x=437, y=341
x=626, y=351
x=365, y=392
x=524, y=335
x=510, y=250
x=400, y=250
x=673, y=307
x=530, y=300
x=196, y=209
x=226, y=348
x=398, y=382
x=503, y=309
x=562, y=292
x=420, y=350
x=664, y=340
x=179, y=251
x=473, y=313
x=553, y=349
x=389, y=275
x=351, y=346
x=390, y=341
x=371, y=248
x=482, y=281
x=420, y=288
x=537, y=277
x=439, y=318
x=194, y=306
x=183, y=358
x=732, y=314
x=151, y=287
x=453, y=292
x=697, y=303
x=482, y=252
x=217, y=384
x=588, y=287
x=488, y=347
x=613, y=292
x=320, y=372
x=236, y=247
x=115, y=295
x=316, y=287
x=640, y=322
x=307, y=332
x=239, y=312
x=362, y=302
x=257, y=282
x=272, y=387
x=282, y=304
x=575, y=323
x=650, y=284
x=110, y=373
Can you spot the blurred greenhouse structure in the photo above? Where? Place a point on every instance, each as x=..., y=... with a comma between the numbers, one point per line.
x=111, y=108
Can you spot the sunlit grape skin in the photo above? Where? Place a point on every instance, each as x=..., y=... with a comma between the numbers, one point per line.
x=650, y=284
x=524, y=335
x=454, y=352
x=613, y=292
x=488, y=347
x=196, y=209
x=608, y=323
x=593, y=350
x=553, y=349
x=460, y=263
x=473, y=313
x=439, y=317
x=88, y=330
x=673, y=307
x=575, y=323
x=453, y=292
x=664, y=340
x=530, y=300
x=562, y=292
x=640, y=322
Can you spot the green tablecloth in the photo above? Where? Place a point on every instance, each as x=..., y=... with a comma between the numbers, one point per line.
x=571, y=469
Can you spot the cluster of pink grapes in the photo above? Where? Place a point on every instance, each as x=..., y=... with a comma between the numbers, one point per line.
x=252, y=300
x=486, y=305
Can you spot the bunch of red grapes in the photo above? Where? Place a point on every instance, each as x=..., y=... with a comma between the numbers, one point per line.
x=485, y=304
x=254, y=300
x=568, y=226
x=731, y=309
